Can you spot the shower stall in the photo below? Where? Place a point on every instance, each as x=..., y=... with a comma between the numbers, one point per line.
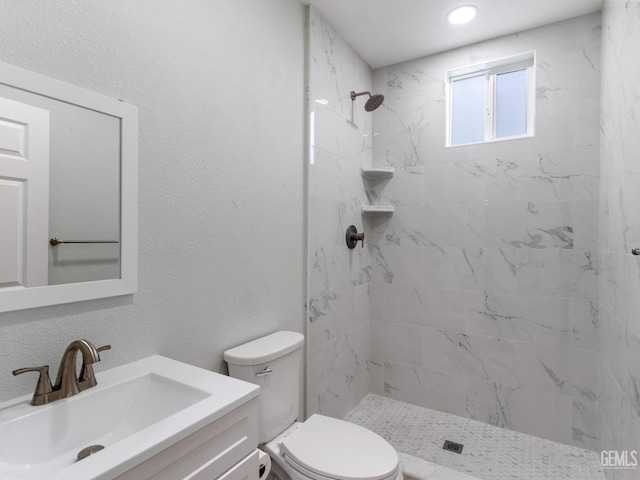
x=502, y=289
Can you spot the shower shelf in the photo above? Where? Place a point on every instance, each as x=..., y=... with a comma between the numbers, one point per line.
x=376, y=173
x=375, y=210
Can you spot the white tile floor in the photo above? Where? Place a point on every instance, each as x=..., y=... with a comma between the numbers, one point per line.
x=489, y=453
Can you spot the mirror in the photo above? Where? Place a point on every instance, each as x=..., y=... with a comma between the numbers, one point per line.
x=68, y=192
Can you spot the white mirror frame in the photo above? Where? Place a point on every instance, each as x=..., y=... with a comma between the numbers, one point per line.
x=19, y=298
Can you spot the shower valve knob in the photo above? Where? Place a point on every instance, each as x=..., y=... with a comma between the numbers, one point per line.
x=353, y=237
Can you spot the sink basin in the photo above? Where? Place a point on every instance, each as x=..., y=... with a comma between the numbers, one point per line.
x=135, y=411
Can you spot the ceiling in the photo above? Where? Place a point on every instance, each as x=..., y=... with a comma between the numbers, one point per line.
x=385, y=32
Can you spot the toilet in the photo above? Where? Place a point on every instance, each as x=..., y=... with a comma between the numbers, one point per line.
x=321, y=448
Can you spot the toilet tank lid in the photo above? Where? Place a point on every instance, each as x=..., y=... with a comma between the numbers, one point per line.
x=265, y=349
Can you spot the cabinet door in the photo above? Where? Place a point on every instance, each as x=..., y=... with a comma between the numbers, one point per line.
x=24, y=194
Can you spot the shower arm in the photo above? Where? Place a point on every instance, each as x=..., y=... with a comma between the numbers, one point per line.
x=354, y=95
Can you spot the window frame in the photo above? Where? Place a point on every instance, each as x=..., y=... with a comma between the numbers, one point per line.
x=491, y=69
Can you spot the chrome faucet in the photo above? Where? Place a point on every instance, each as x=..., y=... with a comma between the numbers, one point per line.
x=68, y=382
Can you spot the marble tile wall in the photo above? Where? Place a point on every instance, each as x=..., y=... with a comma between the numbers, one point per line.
x=619, y=229
x=484, y=281
x=338, y=327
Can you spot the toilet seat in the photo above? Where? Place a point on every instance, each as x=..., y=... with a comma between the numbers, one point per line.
x=326, y=448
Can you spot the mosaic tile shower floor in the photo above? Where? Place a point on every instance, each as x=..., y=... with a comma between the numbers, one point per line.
x=490, y=453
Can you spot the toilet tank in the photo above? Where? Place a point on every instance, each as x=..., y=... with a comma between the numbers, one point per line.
x=275, y=363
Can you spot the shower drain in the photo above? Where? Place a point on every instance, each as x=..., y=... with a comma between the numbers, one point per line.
x=88, y=451
x=453, y=446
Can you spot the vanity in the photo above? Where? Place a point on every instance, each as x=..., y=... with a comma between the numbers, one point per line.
x=156, y=418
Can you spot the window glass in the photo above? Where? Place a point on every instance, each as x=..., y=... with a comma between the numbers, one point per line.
x=491, y=101
x=467, y=110
x=511, y=104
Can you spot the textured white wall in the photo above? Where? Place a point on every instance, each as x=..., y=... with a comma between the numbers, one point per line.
x=219, y=85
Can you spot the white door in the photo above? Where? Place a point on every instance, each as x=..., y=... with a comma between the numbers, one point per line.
x=24, y=194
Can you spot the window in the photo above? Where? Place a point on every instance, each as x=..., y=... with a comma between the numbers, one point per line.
x=491, y=101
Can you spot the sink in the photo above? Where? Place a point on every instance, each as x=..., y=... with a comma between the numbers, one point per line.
x=136, y=411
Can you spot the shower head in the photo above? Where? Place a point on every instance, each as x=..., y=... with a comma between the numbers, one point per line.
x=374, y=100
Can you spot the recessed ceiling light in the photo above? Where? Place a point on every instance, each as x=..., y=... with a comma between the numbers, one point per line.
x=462, y=14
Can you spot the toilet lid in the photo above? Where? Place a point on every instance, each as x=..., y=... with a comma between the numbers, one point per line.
x=339, y=450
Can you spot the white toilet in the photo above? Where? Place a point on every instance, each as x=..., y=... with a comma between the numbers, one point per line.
x=321, y=448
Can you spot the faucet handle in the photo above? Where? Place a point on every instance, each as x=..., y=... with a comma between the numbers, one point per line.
x=43, y=387
x=86, y=371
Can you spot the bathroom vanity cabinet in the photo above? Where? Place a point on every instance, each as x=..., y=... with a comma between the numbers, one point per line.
x=224, y=449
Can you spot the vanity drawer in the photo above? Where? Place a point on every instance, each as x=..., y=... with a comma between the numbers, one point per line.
x=207, y=453
x=247, y=469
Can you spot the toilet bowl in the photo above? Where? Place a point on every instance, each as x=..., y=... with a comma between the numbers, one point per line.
x=320, y=448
